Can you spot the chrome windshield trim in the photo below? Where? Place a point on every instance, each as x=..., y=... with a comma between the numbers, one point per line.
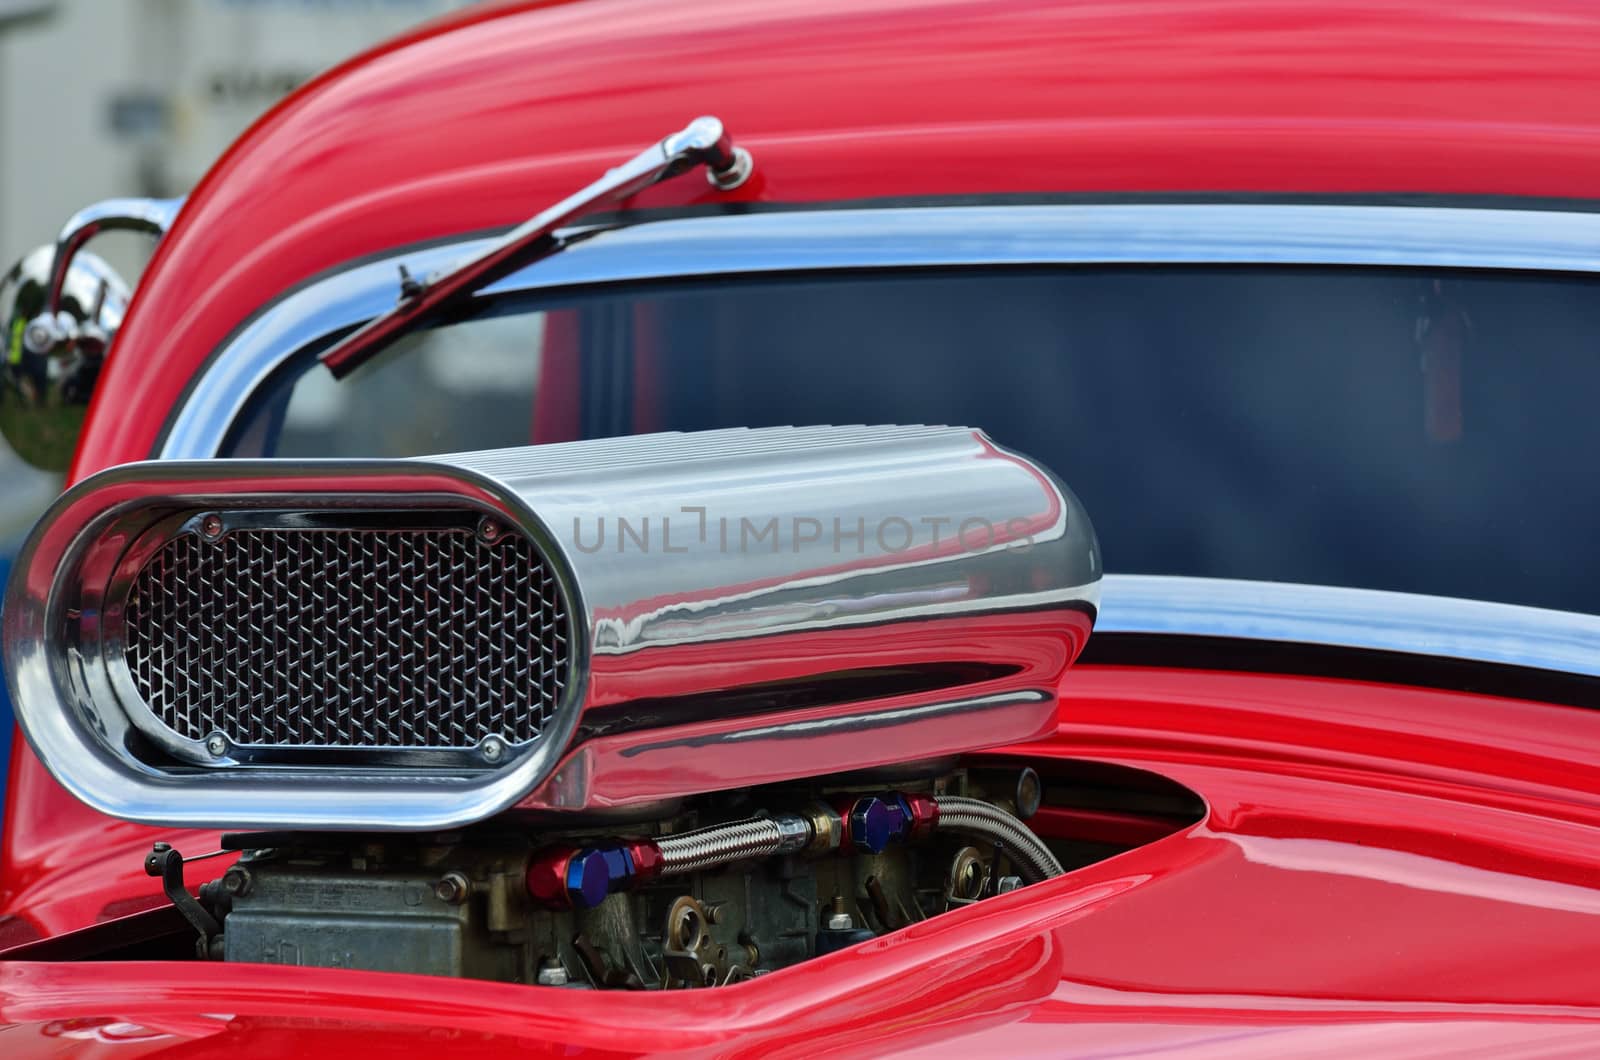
x=1021, y=235
x=908, y=237
x=1332, y=616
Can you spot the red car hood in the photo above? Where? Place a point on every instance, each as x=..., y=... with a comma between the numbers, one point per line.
x=1379, y=869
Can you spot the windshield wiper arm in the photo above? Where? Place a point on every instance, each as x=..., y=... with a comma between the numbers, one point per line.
x=703, y=141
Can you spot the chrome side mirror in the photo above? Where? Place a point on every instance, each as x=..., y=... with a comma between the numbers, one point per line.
x=60, y=308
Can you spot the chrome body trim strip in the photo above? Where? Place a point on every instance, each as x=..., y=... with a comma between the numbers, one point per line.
x=905, y=237
x=1333, y=616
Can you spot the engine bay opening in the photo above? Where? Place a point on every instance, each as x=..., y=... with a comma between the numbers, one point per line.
x=701, y=892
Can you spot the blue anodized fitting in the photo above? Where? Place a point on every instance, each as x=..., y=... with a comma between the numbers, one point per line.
x=592, y=874
x=875, y=822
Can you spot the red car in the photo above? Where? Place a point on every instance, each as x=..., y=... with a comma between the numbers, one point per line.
x=668, y=713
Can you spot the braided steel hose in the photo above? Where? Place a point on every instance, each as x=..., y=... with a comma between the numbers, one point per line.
x=978, y=818
x=582, y=877
x=719, y=844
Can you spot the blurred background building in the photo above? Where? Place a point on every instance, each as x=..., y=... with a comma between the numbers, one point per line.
x=101, y=98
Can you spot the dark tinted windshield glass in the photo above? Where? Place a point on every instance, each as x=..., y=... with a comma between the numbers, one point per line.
x=1385, y=429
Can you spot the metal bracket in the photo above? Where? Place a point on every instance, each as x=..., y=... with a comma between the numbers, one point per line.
x=165, y=862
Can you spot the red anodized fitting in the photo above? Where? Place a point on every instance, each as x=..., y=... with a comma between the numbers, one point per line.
x=547, y=877
x=646, y=858
x=924, y=815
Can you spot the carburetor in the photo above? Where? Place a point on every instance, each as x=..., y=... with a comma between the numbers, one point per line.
x=678, y=907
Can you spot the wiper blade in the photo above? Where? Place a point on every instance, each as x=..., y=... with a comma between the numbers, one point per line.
x=703, y=141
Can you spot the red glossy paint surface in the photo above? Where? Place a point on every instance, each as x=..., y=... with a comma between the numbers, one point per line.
x=1379, y=869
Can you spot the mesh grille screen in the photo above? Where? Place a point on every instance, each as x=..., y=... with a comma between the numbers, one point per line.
x=360, y=638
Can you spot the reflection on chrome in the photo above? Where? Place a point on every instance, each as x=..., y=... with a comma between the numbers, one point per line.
x=45, y=391
x=60, y=308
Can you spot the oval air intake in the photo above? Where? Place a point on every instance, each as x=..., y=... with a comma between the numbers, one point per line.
x=357, y=638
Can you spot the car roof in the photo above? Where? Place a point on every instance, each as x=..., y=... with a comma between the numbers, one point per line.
x=477, y=120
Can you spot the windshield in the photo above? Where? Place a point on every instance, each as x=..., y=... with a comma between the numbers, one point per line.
x=1386, y=429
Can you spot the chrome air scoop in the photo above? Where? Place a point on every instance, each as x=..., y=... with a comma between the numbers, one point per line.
x=418, y=644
